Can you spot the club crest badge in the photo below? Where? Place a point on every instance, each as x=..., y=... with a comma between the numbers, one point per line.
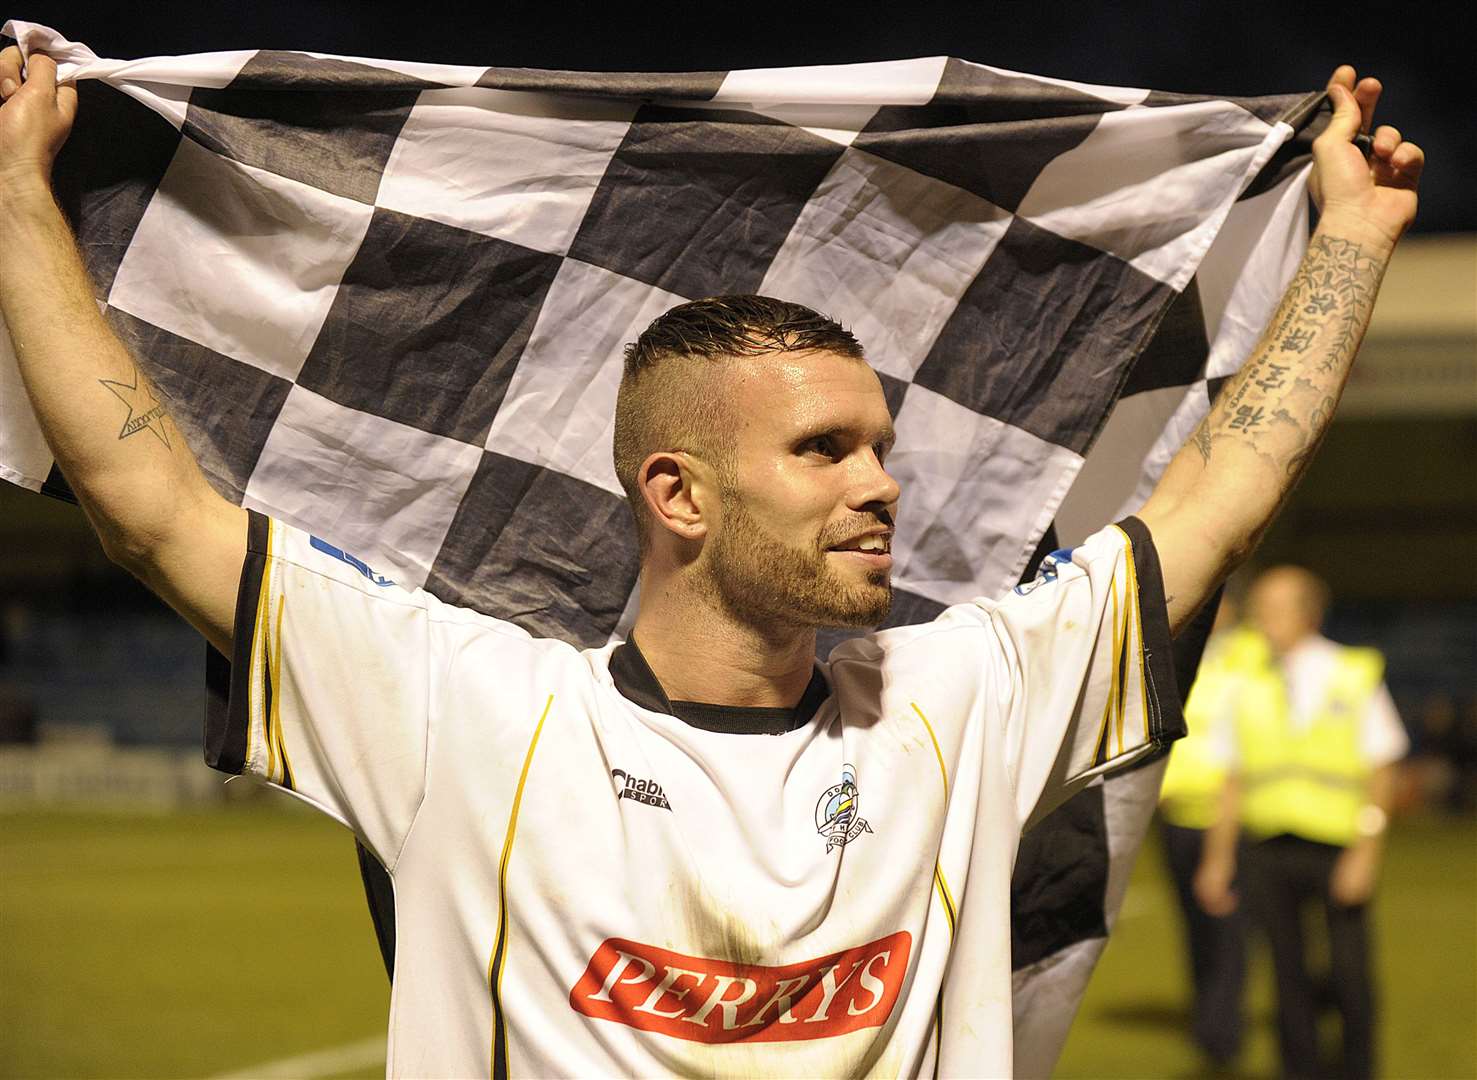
x=837, y=816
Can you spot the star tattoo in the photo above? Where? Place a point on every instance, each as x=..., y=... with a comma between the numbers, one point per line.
x=144, y=409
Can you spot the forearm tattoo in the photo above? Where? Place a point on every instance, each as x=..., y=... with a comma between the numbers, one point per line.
x=145, y=411
x=1280, y=403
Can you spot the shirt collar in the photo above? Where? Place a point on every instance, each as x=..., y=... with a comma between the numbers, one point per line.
x=1313, y=645
x=637, y=683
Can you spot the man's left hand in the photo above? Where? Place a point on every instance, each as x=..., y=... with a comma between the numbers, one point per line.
x=1379, y=193
x=1352, y=881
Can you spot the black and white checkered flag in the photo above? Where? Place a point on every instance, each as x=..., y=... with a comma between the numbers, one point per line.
x=387, y=303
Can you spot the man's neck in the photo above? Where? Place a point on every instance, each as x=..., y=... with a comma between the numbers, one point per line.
x=1301, y=645
x=698, y=654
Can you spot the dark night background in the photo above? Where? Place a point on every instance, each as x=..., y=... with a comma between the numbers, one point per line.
x=1422, y=56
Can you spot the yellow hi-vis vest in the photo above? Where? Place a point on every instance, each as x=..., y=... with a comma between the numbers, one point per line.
x=1190, y=795
x=1310, y=781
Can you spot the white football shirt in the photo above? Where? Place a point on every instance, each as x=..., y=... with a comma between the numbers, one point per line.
x=587, y=885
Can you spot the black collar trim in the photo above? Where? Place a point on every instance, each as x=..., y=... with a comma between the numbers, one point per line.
x=636, y=681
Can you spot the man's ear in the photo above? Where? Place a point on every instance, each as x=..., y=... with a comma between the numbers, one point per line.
x=675, y=487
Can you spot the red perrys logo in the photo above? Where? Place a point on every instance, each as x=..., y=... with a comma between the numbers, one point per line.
x=716, y=1001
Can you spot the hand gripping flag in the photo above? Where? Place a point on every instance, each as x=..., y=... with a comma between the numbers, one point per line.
x=386, y=303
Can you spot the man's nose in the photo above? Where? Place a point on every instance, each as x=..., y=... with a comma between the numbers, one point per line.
x=874, y=487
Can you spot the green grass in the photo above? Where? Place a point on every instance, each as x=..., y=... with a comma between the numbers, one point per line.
x=1134, y=1020
x=180, y=945
x=194, y=943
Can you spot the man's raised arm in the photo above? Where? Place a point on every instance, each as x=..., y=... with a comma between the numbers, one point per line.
x=1223, y=488
x=117, y=446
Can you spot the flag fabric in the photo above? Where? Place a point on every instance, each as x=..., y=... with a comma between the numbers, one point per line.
x=387, y=301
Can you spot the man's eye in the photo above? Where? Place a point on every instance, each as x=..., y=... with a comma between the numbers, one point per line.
x=822, y=444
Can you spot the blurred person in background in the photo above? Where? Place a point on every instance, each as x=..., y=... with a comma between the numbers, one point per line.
x=1189, y=806
x=1315, y=741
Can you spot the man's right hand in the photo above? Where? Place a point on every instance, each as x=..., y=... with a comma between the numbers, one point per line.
x=35, y=117
x=108, y=428
x=1212, y=887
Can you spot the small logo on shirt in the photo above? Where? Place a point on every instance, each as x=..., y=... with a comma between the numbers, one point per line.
x=344, y=557
x=1048, y=571
x=643, y=791
x=837, y=817
x=707, y=1000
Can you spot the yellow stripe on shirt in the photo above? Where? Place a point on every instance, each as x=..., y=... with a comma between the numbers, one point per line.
x=939, y=754
x=257, y=661
x=1138, y=621
x=941, y=887
x=940, y=881
x=1108, y=723
x=274, y=720
x=269, y=695
x=497, y=961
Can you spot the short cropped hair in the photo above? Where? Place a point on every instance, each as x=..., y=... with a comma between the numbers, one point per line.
x=668, y=398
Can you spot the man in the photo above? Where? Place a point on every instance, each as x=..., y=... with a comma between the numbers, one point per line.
x=1189, y=805
x=1316, y=737
x=601, y=864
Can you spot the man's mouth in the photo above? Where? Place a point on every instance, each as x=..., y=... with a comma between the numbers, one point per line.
x=879, y=543
x=872, y=549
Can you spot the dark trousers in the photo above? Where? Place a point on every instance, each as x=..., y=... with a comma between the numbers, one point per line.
x=1282, y=878
x=1217, y=951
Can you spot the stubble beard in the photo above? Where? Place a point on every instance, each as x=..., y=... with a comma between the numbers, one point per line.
x=766, y=581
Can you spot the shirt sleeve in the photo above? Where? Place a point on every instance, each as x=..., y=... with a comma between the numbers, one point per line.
x=1084, y=667
x=327, y=691
x=1382, y=737
x=1222, y=744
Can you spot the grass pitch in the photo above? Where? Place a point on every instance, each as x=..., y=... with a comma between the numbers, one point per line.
x=1134, y=1021
x=207, y=942
x=186, y=944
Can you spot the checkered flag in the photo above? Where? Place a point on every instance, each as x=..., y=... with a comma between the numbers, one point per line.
x=387, y=303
